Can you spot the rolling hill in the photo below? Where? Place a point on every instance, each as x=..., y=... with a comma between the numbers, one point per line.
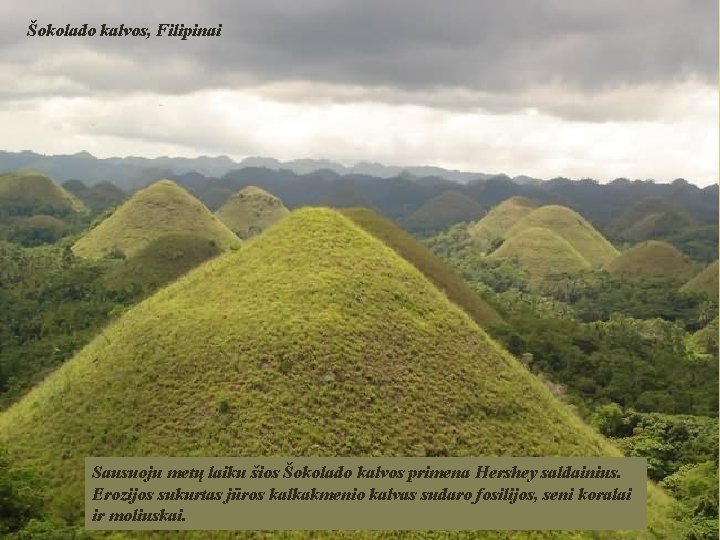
x=328, y=350
x=250, y=211
x=649, y=219
x=97, y=197
x=651, y=258
x=542, y=253
x=705, y=282
x=442, y=211
x=500, y=219
x=30, y=193
x=571, y=226
x=432, y=267
x=160, y=209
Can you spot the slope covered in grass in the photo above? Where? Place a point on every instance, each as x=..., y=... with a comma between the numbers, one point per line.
x=651, y=258
x=442, y=211
x=250, y=211
x=160, y=209
x=434, y=268
x=541, y=253
x=97, y=197
x=501, y=218
x=341, y=348
x=32, y=193
x=651, y=218
x=705, y=282
x=571, y=226
x=163, y=260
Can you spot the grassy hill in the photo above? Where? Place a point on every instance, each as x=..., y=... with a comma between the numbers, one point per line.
x=250, y=211
x=163, y=260
x=571, y=226
x=341, y=348
x=434, y=268
x=32, y=193
x=160, y=209
x=442, y=211
x=500, y=219
x=705, y=282
x=650, y=218
x=542, y=253
x=651, y=258
x=97, y=197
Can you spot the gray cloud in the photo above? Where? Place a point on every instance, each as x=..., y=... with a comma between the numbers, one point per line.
x=495, y=53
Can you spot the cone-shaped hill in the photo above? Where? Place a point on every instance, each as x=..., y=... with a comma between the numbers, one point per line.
x=32, y=193
x=705, y=282
x=160, y=209
x=250, y=211
x=571, y=226
x=651, y=258
x=501, y=218
x=341, y=348
x=97, y=197
x=443, y=211
x=434, y=268
x=542, y=253
x=651, y=218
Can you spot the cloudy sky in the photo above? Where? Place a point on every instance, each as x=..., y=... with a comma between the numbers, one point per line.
x=605, y=89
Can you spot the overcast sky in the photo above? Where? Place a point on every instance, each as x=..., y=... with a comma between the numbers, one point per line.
x=605, y=89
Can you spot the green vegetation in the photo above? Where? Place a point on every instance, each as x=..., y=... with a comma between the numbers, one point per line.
x=250, y=211
x=31, y=193
x=542, y=253
x=651, y=258
x=37, y=230
x=571, y=226
x=437, y=271
x=161, y=209
x=98, y=197
x=338, y=348
x=650, y=218
x=53, y=303
x=442, y=211
x=706, y=282
x=500, y=219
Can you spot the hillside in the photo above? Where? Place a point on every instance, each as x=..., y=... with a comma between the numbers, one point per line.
x=571, y=226
x=163, y=260
x=650, y=218
x=443, y=211
x=250, y=211
x=97, y=197
x=160, y=209
x=542, y=253
x=32, y=193
x=500, y=219
x=705, y=282
x=651, y=258
x=328, y=350
x=432, y=267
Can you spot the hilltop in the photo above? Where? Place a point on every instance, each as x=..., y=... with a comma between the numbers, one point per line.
x=432, y=267
x=650, y=218
x=328, y=350
x=31, y=193
x=250, y=211
x=651, y=258
x=571, y=226
x=705, y=282
x=500, y=219
x=160, y=209
x=97, y=197
x=542, y=253
x=442, y=211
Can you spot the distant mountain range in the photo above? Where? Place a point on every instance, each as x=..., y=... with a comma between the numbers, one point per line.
x=138, y=171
